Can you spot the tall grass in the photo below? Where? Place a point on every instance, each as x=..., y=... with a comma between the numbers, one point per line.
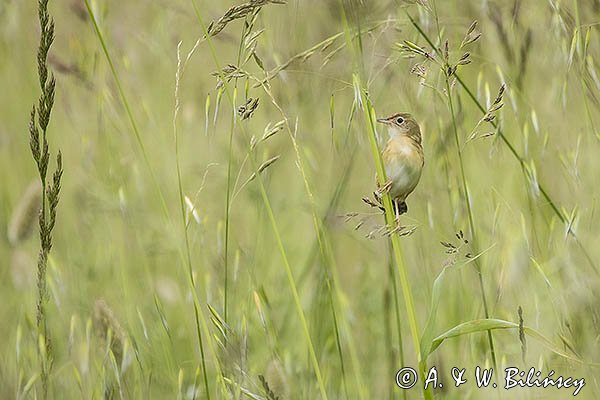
x=50, y=191
x=212, y=240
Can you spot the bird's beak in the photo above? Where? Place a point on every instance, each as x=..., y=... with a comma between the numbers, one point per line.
x=382, y=120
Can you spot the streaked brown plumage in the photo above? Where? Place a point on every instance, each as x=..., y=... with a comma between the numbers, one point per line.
x=403, y=157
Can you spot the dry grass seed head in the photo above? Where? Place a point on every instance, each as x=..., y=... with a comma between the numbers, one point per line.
x=471, y=36
x=237, y=12
x=522, y=333
x=25, y=214
x=274, y=382
x=247, y=110
x=107, y=327
x=263, y=167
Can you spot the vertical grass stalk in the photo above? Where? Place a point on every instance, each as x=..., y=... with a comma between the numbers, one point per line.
x=272, y=219
x=200, y=323
x=125, y=101
x=395, y=239
x=449, y=72
x=38, y=127
x=178, y=74
x=245, y=32
x=470, y=217
x=323, y=242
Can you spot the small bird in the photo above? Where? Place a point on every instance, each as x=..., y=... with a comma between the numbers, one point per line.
x=403, y=158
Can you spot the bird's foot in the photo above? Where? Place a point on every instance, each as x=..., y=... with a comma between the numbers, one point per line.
x=382, y=190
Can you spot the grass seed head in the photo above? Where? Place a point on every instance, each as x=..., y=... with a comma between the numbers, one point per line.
x=108, y=328
x=245, y=111
x=237, y=12
x=275, y=381
x=25, y=214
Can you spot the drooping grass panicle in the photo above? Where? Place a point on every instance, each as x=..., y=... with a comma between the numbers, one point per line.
x=237, y=12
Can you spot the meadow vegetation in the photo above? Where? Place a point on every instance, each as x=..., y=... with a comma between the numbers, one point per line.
x=208, y=229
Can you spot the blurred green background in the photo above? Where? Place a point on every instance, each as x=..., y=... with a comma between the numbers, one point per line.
x=119, y=260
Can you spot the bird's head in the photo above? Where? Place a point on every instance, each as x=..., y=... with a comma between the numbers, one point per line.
x=402, y=124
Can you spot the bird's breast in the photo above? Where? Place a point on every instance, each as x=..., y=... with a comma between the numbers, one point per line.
x=403, y=160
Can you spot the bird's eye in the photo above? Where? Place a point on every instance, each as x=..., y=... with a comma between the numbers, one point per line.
x=399, y=120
